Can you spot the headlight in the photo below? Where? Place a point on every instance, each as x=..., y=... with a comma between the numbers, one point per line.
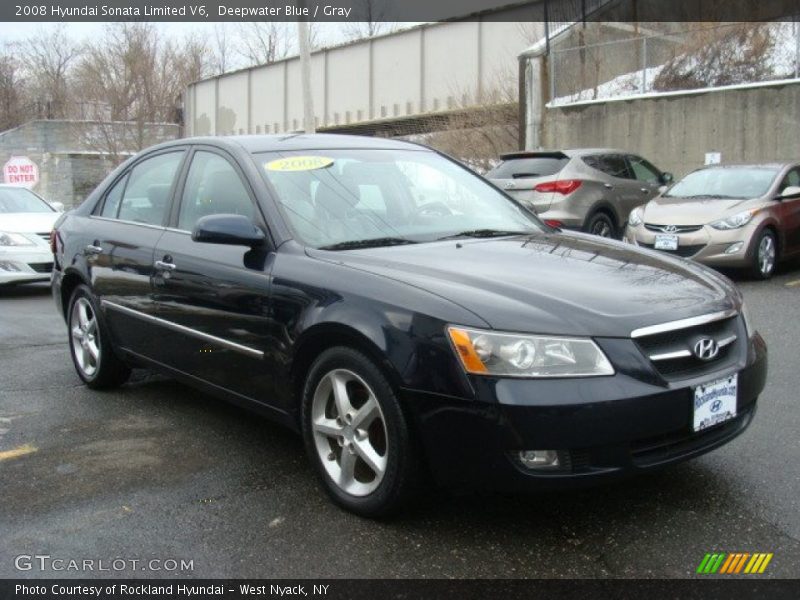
x=635, y=218
x=522, y=355
x=738, y=220
x=14, y=239
x=746, y=317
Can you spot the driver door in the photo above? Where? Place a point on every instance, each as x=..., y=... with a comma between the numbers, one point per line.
x=214, y=298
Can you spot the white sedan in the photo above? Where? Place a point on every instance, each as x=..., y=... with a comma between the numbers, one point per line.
x=25, y=224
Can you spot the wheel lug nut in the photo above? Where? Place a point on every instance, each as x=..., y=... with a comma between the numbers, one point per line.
x=331, y=456
x=349, y=417
x=361, y=434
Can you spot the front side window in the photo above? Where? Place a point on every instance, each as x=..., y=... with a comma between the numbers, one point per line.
x=146, y=196
x=335, y=197
x=21, y=200
x=212, y=187
x=643, y=170
x=724, y=182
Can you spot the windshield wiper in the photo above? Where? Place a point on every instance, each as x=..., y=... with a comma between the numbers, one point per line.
x=368, y=243
x=483, y=233
x=699, y=197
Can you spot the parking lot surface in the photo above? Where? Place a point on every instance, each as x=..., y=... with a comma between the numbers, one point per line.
x=156, y=470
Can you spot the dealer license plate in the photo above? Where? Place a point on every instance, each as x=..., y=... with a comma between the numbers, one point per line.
x=666, y=242
x=715, y=402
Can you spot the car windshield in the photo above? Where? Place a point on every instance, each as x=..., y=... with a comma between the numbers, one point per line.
x=341, y=199
x=20, y=200
x=538, y=166
x=724, y=182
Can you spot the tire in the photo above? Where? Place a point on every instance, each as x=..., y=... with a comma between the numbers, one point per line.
x=765, y=255
x=90, y=347
x=602, y=225
x=349, y=458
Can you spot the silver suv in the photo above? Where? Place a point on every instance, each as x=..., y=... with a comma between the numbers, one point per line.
x=591, y=189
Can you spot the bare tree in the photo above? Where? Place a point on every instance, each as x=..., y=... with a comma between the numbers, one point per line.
x=372, y=14
x=48, y=58
x=222, y=50
x=11, y=92
x=262, y=43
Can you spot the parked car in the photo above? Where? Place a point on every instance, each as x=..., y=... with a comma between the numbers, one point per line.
x=591, y=189
x=26, y=221
x=726, y=216
x=310, y=278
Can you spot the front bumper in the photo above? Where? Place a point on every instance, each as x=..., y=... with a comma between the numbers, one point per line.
x=709, y=246
x=25, y=265
x=603, y=428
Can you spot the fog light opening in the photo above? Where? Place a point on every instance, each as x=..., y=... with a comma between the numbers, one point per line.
x=539, y=459
x=734, y=248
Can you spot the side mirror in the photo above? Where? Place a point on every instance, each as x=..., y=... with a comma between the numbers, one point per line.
x=666, y=178
x=792, y=191
x=234, y=230
x=58, y=206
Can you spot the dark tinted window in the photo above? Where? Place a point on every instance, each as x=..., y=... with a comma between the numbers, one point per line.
x=643, y=170
x=113, y=197
x=610, y=164
x=147, y=194
x=527, y=167
x=212, y=187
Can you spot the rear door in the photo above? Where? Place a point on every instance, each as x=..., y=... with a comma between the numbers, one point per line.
x=214, y=298
x=127, y=225
x=519, y=174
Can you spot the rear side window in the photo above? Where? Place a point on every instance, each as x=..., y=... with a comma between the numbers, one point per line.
x=113, y=197
x=517, y=168
x=147, y=194
x=610, y=164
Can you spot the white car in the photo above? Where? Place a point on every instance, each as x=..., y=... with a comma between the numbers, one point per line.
x=25, y=224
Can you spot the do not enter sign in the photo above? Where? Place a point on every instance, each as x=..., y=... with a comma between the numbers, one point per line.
x=21, y=170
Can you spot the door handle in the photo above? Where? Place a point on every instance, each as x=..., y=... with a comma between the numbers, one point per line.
x=92, y=249
x=165, y=266
x=645, y=190
x=608, y=186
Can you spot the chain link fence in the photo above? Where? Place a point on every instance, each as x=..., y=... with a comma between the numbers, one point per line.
x=698, y=57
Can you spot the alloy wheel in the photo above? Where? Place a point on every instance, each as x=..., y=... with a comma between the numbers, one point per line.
x=766, y=254
x=85, y=338
x=349, y=432
x=601, y=228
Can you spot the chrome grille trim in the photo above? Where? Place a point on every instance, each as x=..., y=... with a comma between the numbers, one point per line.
x=686, y=353
x=683, y=323
x=678, y=228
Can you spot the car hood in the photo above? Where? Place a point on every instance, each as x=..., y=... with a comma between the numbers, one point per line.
x=679, y=211
x=28, y=222
x=570, y=284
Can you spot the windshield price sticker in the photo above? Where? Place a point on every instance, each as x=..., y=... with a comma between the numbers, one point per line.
x=299, y=163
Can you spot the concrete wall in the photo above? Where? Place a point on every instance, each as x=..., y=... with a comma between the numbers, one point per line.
x=427, y=69
x=72, y=155
x=754, y=123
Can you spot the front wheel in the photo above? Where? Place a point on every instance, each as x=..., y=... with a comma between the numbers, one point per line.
x=90, y=347
x=356, y=434
x=765, y=257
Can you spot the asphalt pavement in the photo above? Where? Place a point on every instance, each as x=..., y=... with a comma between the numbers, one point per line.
x=156, y=470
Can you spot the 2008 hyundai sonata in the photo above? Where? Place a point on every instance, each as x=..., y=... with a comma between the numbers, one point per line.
x=411, y=320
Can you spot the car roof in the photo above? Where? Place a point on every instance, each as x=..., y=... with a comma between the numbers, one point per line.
x=554, y=153
x=767, y=165
x=298, y=141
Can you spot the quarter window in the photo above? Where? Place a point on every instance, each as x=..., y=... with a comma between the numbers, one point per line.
x=146, y=196
x=213, y=187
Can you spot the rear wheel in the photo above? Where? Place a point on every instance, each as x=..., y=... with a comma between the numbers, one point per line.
x=91, y=351
x=356, y=434
x=765, y=257
x=602, y=225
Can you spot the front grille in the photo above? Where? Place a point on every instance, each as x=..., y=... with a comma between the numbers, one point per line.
x=651, y=451
x=46, y=267
x=672, y=351
x=683, y=251
x=678, y=228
